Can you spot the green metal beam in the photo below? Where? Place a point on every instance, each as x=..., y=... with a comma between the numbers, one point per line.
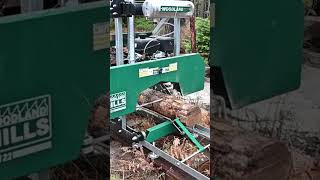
x=159, y=131
x=190, y=136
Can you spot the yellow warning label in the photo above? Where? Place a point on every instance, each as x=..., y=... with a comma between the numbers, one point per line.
x=145, y=72
x=100, y=36
x=173, y=67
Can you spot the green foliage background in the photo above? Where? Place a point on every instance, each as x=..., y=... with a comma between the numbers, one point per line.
x=141, y=24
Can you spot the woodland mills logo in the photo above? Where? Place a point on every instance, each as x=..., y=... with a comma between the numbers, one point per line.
x=25, y=127
x=118, y=101
x=175, y=9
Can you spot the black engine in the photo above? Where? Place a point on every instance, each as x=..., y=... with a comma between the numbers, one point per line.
x=150, y=45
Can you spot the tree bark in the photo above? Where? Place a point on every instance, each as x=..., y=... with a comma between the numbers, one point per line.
x=244, y=155
x=193, y=34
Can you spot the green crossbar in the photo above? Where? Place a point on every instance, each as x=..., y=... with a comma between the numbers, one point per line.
x=159, y=131
x=166, y=128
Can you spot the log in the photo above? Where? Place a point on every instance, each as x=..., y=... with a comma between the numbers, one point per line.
x=244, y=155
x=172, y=107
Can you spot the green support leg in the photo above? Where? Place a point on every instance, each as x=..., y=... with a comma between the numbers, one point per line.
x=190, y=136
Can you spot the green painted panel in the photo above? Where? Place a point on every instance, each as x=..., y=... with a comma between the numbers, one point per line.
x=50, y=76
x=126, y=85
x=160, y=130
x=256, y=48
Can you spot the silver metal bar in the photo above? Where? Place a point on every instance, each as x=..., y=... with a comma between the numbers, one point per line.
x=131, y=37
x=149, y=103
x=201, y=130
x=123, y=122
x=153, y=113
x=177, y=36
x=192, y=155
x=159, y=26
x=119, y=41
x=174, y=161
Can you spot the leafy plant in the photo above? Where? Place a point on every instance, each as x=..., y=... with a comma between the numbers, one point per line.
x=203, y=34
x=142, y=24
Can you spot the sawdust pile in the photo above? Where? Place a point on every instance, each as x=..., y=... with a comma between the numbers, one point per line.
x=181, y=148
x=130, y=163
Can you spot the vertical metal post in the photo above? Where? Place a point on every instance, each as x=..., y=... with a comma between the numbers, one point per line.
x=131, y=37
x=31, y=5
x=177, y=36
x=119, y=41
x=119, y=55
